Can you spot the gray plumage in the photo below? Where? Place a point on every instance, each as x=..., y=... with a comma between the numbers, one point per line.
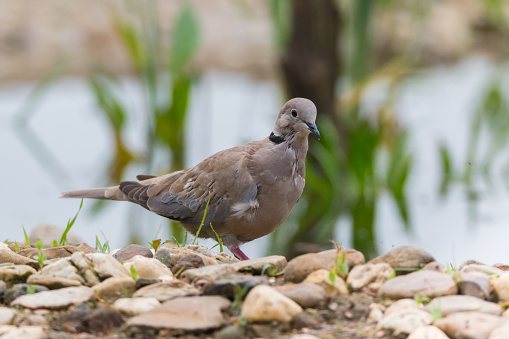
x=252, y=187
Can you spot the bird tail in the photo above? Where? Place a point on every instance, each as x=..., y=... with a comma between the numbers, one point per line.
x=107, y=193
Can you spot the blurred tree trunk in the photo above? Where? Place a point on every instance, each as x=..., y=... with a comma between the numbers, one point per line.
x=311, y=66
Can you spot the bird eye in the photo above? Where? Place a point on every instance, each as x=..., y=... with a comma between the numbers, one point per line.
x=294, y=113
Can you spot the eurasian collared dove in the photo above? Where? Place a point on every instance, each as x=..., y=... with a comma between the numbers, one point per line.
x=252, y=187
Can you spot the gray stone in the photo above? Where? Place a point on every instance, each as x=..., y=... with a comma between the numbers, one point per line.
x=427, y=332
x=63, y=268
x=48, y=233
x=170, y=256
x=148, y=268
x=132, y=250
x=470, y=325
x=229, y=285
x=256, y=266
x=363, y=275
x=188, y=314
x=405, y=257
x=321, y=278
x=25, y=332
x=305, y=294
x=85, y=268
x=489, y=270
x=8, y=256
x=263, y=303
x=105, y=266
x=405, y=321
x=501, y=286
x=438, y=267
x=187, y=262
x=428, y=283
x=135, y=306
x=300, y=267
x=50, y=282
x=15, y=274
x=209, y=273
x=167, y=290
x=231, y=332
x=21, y=289
x=112, y=289
x=462, y=303
x=56, y=299
x=501, y=332
x=6, y=315
x=475, y=284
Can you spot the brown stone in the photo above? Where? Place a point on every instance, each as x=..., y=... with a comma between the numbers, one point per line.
x=470, y=325
x=427, y=283
x=405, y=257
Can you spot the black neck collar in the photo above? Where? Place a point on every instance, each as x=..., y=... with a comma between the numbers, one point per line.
x=277, y=139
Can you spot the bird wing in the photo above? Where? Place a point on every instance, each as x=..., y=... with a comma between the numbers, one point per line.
x=223, y=178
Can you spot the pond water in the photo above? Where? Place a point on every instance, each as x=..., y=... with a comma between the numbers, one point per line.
x=66, y=146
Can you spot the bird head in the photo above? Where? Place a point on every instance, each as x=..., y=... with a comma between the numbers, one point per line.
x=297, y=119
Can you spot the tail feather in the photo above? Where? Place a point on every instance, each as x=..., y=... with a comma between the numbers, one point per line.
x=107, y=193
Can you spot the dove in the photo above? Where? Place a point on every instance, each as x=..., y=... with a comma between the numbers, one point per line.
x=250, y=189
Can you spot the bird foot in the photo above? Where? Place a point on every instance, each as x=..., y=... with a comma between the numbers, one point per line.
x=238, y=253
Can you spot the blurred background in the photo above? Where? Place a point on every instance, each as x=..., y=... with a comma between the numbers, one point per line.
x=412, y=101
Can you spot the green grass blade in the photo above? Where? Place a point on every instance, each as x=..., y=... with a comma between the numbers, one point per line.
x=63, y=240
x=202, y=220
x=218, y=239
x=27, y=242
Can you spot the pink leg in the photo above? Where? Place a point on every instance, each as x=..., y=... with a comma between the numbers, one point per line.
x=238, y=253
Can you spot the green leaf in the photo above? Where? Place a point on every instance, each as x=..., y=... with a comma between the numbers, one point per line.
x=185, y=40
x=134, y=273
x=70, y=223
x=27, y=242
x=55, y=243
x=202, y=220
x=218, y=239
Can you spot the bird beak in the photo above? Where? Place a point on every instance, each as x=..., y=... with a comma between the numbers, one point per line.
x=312, y=127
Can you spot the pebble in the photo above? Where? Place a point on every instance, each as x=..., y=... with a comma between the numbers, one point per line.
x=135, y=306
x=256, y=266
x=8, y=256
x=307, y=295
x=63, y=269
x=50, y=282
x=188, y=314
x=167, y=290
x=100, y=320
x=231, y=332
x=427, y=332
x=131, y=251
x=428, y=283
x=229, y=285
x=209, y=273
x=405, y=257
x=303, y=336
x=489, y=270
x=148, y=268
x=321, y=277
x=475, y=284
x=19, y=290
x=187, y=262
x=48, y=233
x=405, y=320
x=470, y=324
x=402, y=305
x=300, y=267
x=463, y=303
x=112, y=289
x=501, y=332
x=105, y=266
x=170, y=255
x=501, y=286
x=6, y=315
x=263, y=303
x=56, y=299
x=363, y=275
x=85, y=268
x=25, y=332
x=15, y=274
x=435, y=266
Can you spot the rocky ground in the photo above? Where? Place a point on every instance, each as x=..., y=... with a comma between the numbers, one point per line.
x=76, y=291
